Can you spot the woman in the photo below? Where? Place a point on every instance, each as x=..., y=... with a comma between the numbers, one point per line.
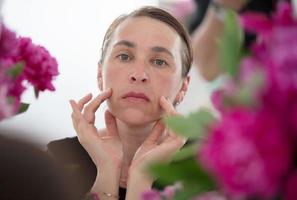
x=142, y=73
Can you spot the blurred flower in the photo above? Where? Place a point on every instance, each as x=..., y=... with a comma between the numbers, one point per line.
x=40, y=66
x=210, y=196
x=21, y=61
x=168, y=193
x=290, y=190
x=9, y=42
x=151, y=195
x=248, y=152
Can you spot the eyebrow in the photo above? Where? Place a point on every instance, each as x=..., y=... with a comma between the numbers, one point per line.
x=162, y=50
x=125, y=43
x=133, y=45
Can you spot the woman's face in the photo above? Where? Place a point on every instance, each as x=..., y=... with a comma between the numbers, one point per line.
x=142, y=63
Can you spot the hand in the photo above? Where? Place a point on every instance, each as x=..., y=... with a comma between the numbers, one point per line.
x=154, y=149
x=105, y=150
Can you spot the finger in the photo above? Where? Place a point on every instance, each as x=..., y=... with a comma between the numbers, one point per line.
x=175, y=138
x=89, y=111
x=110, y=123
x=76, y=115
x=167, y=106
x=83, y=101
x=157, y=131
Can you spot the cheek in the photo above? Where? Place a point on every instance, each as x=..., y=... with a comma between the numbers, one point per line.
x=109, y=78
x=168, y=87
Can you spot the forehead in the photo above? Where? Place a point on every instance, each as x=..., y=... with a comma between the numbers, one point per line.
x=147, y=32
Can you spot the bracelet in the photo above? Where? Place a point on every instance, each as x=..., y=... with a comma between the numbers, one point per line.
x=219, y=10
x=110, y=195
x=94, y=196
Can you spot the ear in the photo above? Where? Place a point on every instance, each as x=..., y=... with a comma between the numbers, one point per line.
x=183, y=90
x=99, y=77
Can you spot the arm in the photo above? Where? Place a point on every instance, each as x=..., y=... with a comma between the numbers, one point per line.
x=106, y=185
x=206, y=37
x=104, y=149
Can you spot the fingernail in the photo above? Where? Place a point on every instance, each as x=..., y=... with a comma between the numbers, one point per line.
x=70, y=101
x=167, y=98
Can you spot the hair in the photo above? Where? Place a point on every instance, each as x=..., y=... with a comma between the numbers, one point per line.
x=160, y=15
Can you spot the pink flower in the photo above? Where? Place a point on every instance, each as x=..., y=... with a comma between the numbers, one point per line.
x=167, y=194
x=8, y=42
x=6, y=109
x=210, y=196
x=290, y=190
x=151, y=195
x=248, y=153
x=243, y=92
x=276, y=45
x=170, y=191
x=14, y=84
x=40, y=67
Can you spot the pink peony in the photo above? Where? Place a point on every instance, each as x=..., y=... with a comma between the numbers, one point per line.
x=245, y=91
x=276, y=46
x=248, y=153
x=170, y=191
x=6, y=109
x=151, y=195
x=210, y=196
x=9, y=42
x=40, y=67
x=290, y=190
x=15, y=84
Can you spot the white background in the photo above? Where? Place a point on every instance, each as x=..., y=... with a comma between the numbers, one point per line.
x=72, y=31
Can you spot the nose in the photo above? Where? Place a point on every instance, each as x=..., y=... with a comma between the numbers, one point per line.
x=139, y=75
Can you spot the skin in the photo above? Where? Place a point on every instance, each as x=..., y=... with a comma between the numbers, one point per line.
x=205, y=40
x=144, y=56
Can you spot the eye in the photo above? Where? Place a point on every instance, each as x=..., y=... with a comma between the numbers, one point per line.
x=124, y=57
x=160, y=62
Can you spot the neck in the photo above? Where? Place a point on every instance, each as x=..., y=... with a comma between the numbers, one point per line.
x=132, y=138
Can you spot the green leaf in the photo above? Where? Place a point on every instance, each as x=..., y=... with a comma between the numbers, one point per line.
x=187, y=193
x=193, y=126
x=16, y=70
x=23, y=107
x=186, y=152
x=187, y=171
x=231, y=43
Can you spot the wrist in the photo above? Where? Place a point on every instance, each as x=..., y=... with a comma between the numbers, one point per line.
x=106, y=183
x=140, y=176
x=137, y=184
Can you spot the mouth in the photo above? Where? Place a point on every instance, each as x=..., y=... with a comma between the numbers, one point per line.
x=136, y=96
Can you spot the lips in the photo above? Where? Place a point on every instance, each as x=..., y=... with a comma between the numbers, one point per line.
x=136, y=96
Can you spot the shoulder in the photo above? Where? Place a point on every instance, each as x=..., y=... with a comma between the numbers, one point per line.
x=75, y=160
x=68, y=149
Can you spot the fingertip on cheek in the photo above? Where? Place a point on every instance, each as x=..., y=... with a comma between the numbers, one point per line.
x=164, y=99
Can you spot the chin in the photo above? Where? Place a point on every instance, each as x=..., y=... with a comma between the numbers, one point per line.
x=135, y=117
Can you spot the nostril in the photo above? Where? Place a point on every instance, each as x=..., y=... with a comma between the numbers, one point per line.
x=133, y=78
